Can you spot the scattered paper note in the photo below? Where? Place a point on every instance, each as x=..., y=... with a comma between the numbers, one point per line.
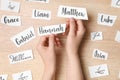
x=42, y=1
x=75, y=12
x=98, y=71
x=11, y=20
x=23, y=37
x=26, y=75
x=3, y=77
x=41, y=14
x=104, y=19
x=9, y=5
x=96, y=36
x=117, y=37
x=98, y=54
x=53, y=29
x=20, y=56
x=115, y=3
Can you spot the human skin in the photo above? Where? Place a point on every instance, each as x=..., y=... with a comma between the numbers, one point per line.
x=46, y=48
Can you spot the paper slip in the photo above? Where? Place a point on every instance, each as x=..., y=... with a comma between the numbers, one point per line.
x=75, y=12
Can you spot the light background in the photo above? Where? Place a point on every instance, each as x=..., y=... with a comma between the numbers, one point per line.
x=36, y=65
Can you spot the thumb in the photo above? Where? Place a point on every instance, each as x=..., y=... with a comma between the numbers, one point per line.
x=51, y=42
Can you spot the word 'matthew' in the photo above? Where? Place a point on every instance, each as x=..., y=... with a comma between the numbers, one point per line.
x=67, y=12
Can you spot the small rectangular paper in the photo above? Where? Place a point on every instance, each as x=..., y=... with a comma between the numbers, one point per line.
x=42, y=1
x=11, y=20
x=115, y=3
x=9, y=5
x=96, y=36
x=98, y=54
x=41, y=14
x=3, y=77
x=23, y=37
x=98, y=71
x=117, y=37
x=26, y=75
x=75, y=12
x=105, y=19
x=20, y=56
x=53, y=29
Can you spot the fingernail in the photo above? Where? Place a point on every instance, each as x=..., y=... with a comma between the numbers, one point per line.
x=72, y=19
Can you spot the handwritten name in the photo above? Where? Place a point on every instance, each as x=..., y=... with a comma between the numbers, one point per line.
x=18, y=57
x=100, y=54
x=54, y=29
x=22, y=77
x=74, y=12
x=107, y=20
x=21, y=56
x=7, y=20
x=24, y=38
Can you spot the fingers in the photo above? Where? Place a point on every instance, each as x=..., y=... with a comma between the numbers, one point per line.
x=72, y=27
x=51, y=41
x=43, y=41
x=81, y=28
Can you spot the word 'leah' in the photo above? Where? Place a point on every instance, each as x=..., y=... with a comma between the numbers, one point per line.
x=24, y=37
x=26, y=75
x=98, y=70
x=53, y=29
x=78, y=13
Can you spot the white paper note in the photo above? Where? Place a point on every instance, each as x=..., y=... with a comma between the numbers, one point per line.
x=23, y=37
x=117, y=37
x=20, y=56
x=42, y=1
x=41, y=14
x=96, y=36
x=105, y=19
x=9, y=5
x=115, y=3
x=3, y=77
x=75, y=12
x=53, y=29
x=98, y=54
x=11, y=20
x=98, y=71
x=26, y=75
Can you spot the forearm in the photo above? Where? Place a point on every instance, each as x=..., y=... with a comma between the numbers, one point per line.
x=74, y=70
x=49, y=73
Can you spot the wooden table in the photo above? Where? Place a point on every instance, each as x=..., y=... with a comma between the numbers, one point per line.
x=36, y=65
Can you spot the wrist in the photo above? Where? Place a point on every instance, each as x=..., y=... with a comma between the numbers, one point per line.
x=49, y=73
